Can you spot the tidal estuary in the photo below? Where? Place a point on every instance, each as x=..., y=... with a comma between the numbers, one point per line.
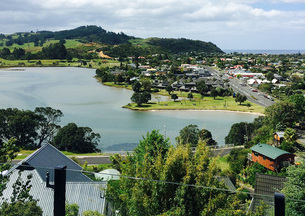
x=86, y=102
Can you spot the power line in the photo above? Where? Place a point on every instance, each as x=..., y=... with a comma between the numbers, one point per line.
x=162, y=181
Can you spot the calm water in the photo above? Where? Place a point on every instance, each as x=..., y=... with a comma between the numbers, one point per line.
x=88, y=103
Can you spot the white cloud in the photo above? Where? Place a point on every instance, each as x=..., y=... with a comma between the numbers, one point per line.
x=219, y=21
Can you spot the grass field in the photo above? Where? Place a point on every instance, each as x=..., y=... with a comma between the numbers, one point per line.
x=24, y=153
x=207, y=103
x=57, y=63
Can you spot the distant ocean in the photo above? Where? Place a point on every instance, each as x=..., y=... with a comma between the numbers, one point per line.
x=265, y=51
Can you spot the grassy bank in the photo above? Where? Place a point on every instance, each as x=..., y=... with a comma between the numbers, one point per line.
x=24, y=153
x=96, y=63
x=207, y=103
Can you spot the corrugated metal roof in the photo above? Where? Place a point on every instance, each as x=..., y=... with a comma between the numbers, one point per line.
x=265, y=186
x=268, y=150
x=47, y=158
x=87, y=195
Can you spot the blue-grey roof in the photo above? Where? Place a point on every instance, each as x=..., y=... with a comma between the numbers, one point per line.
x=87, y=195
x=46, y=158
x=268, y=150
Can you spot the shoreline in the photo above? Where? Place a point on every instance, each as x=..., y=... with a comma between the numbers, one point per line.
x=202, y=110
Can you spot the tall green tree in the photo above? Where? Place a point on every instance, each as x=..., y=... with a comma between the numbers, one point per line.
x=239, y=133
x=201, y=87
x=281, y=113
x=294, y=190
x=299, y=105
x=138, y=98
x=169, y=89
x=136, y=86
x=20, y=124
x=48, y=123
x=206, y=136
x=213, y=93
x=188, y=135
x=240, y=98
x=190, y=96
x=76, y=139
x=174, y=97
x=154, y=165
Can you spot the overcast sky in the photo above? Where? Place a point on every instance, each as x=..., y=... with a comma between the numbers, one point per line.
x=230, y=24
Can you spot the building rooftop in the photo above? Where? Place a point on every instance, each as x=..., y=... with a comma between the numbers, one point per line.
x=268, y=150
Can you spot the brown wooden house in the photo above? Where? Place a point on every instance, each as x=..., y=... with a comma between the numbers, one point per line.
x=271, y=157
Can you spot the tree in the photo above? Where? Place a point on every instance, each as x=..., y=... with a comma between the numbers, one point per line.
x=169, y=89
x=206, y=136
x=76, y=139
x=20, y=124
x=136, y=86
x=147, y=96
x=239, y=133
x=119, y=78
x=281, y=113
x=190, y=96
x=213, y=93
x=290, y=135
x=238, y=159
x=240, y=98
x=188, y=135
x=48, y=123
x=137, y=98
x=299, y=105
x=294, y=189
x=174, y=97
x=155, y=159
x=201, y=87
x=146, y=84
x=248, y=105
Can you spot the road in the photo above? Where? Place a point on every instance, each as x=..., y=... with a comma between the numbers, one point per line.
x=105, y=159
x=254, y=97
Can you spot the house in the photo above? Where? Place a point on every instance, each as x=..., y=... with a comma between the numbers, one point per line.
x=265, y=187
x=80, y=189
x=271, y=157
x=278, y=137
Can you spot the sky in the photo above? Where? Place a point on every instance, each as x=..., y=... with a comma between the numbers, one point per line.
x=230, y=24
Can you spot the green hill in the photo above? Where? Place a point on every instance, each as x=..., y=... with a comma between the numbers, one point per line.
x=90, y=38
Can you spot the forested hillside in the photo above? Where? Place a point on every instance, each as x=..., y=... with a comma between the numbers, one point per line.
x=184, y=45
x=35, y=45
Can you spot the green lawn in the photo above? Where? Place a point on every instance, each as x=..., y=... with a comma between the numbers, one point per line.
x=207, y=103
x=24, y=153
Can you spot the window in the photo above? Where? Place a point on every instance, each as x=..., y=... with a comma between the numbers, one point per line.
x=256, y=154
x=264, y=157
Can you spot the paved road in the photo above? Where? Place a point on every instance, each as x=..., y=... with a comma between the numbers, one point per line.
x=245, y=90
x=105, y=159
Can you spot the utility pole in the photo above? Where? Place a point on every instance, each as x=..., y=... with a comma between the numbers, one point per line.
x=279, y=204
x=60, y=191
